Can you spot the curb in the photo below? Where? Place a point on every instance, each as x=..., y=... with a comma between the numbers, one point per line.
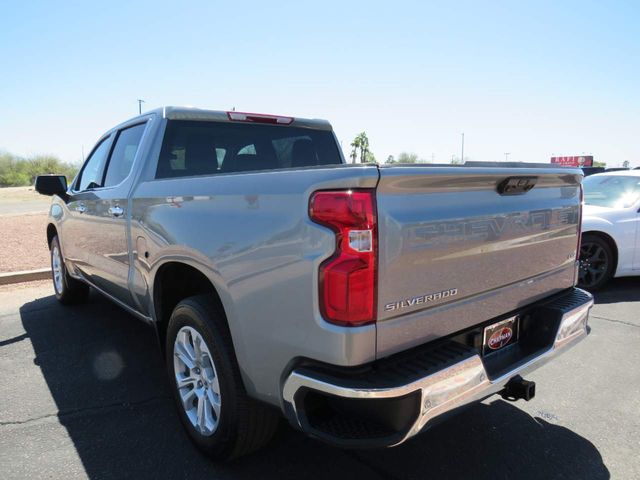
x=25, y=276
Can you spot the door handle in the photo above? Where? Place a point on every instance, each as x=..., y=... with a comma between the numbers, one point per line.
x=81, y=208
x=116, y=211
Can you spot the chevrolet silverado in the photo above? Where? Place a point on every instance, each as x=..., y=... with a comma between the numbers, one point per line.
x=362, y=302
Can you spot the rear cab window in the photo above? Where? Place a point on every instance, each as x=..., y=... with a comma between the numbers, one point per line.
x=207, y=148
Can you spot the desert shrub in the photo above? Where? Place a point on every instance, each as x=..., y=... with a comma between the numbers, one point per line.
x=17, y=171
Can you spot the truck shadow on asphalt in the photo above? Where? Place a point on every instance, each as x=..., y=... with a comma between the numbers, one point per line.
x=107, y=378
x=625, y=289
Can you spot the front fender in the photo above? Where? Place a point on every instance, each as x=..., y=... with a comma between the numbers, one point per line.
x=591, y=224
x=603, y=227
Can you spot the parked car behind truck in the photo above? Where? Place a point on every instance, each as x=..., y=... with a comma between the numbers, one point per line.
x=361, y=302
x=611, y=228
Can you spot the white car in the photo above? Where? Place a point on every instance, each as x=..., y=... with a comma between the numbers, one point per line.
x=610, y=228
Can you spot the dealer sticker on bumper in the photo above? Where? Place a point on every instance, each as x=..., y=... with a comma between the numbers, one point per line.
x=500, y=335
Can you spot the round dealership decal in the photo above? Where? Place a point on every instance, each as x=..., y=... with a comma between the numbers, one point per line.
x=500, y=338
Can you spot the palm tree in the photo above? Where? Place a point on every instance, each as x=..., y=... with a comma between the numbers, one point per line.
x=361, y=143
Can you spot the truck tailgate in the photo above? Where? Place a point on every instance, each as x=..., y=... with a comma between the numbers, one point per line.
x=454, y=251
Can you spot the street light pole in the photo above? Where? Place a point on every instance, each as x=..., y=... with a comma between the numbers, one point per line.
x=462, y=157
x=506, y=156
x=140, y=102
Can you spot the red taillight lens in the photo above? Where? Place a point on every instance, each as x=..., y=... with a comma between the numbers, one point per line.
x=348, y=278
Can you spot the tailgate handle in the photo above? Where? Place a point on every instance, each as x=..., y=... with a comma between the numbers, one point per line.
x=516, y=185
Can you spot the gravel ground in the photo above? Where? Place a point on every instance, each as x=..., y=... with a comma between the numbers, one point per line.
x=19, y=288
x=21, y=200
x=23, y=242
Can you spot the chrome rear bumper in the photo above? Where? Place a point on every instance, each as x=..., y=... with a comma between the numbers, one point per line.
x=440, y=392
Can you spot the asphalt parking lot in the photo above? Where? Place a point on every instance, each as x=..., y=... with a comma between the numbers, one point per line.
x=84, y=396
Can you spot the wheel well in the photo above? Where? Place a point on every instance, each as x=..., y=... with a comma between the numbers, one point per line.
x=51, y=232
x=610, y=241
x=173, y=283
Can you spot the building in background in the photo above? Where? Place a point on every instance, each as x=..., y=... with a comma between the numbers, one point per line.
x=575, y=161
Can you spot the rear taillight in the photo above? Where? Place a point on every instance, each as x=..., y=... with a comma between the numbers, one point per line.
x=348, y=278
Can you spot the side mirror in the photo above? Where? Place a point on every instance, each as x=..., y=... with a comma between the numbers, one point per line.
x=51, y=185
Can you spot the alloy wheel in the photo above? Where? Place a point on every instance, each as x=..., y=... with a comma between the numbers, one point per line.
x=593, y=264
x=197, y=380
x=56, y=267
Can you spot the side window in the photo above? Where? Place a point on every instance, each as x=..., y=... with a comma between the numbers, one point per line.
x=295, y=151
x=91, y=175
x=177, y=159
x=124, y=151
x=220, y=153
x=247, y=150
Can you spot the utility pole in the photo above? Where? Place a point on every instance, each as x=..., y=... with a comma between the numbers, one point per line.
x=140, y=102
x=506, y=156
x=462, y=157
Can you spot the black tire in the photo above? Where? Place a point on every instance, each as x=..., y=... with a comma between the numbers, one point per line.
x=244, y=425
x=596, y=262
x=68, y=290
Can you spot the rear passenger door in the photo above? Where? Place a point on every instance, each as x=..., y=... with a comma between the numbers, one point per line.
x=106, y=217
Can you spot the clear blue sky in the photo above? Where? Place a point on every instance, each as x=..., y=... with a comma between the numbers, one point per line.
x=530, y=78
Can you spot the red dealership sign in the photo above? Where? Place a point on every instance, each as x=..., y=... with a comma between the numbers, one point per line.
x=576, y=161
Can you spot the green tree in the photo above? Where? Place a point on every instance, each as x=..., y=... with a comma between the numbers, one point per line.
x=390, y=159
x=405, y=157
x=16, y=171
x=369, y=157
x=360, y=148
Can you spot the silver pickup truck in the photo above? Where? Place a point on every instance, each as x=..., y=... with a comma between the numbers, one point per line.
x=362, y=302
